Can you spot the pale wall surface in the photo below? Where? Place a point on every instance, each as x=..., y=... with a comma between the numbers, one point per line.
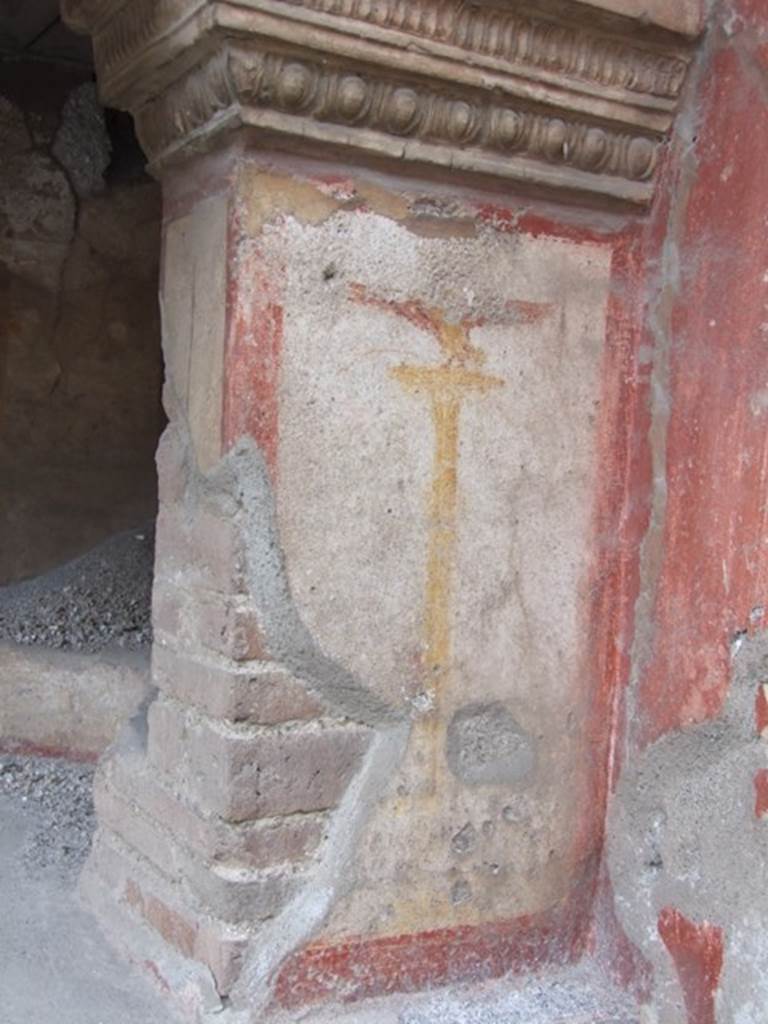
x=354, y=470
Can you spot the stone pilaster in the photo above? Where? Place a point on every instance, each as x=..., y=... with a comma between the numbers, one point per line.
x=399, y=394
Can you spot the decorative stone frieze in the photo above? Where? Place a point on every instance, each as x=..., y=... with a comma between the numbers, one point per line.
x=572, y=101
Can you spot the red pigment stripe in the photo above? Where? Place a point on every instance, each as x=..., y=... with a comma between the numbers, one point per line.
x=362, y=968
x=761, y=793
x=761, y=709
x=697, y=951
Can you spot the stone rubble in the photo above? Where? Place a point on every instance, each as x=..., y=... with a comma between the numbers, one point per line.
x=101, y=598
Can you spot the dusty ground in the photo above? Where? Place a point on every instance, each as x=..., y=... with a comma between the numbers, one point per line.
x=55, y=800
x=101, y=598
x=574, y=996
x=55, y=967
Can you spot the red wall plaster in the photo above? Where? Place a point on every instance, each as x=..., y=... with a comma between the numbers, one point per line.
x=697, y=950
x=714, y=577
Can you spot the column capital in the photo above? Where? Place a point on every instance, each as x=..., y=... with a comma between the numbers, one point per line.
x=573, y=98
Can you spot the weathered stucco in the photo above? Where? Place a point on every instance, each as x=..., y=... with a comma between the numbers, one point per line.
x=356, y=514
x=686, y=850
x=686, y=856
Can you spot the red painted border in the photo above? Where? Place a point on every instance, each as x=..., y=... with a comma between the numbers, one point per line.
x=761, y=710
x=254, y=343
x=697, y=951
x=361, y=968
x=761, y=793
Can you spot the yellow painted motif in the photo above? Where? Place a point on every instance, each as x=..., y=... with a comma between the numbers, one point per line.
x=446, y=386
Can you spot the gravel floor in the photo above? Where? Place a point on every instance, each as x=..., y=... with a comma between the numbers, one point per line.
x=55, y=965
x=59, y=797
x=101, y=598
x=57, y=969
x=575, y=995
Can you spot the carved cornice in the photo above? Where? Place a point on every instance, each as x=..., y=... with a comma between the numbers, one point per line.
x=486, y=88
x=521, y=39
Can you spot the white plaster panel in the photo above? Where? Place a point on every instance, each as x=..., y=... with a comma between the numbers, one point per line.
x=355, y=465
x=356, y=452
